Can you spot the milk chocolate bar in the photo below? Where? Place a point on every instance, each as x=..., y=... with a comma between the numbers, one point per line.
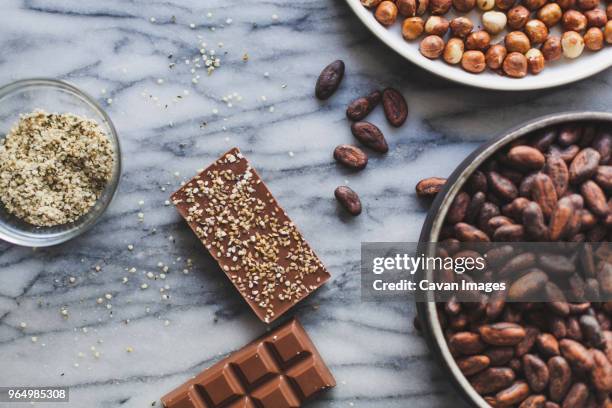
x=280, y=370
x=250, y=236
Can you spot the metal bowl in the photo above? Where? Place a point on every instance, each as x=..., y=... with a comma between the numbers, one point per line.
x=53, y=96
x=427, y=311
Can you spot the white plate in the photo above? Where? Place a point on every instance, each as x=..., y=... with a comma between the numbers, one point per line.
x=558, y=73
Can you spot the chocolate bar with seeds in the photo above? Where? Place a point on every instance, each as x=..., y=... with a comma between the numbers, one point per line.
x=250, y=236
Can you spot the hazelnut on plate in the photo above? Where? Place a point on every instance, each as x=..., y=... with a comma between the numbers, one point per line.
x=552, y=48
x=608, y=32
x=453, y=51
x=406, y=7
x=572, y=44
x=596, y=18
x=537, y=31
x=461, y=26
x=432, y=46
x=534, y=4
x=473, y=61
x=535, y=61
x=518, y=17
x=550, y=14
x=478, y=40
x=412, y=28
x=566, y=4
x=573, y=20
x=587, y=4
x=517, y=41
x=464, y=6
x=495, y=56
x=494, y=21
x=436, y=25
x=386, y=13
x=504, y=4
x=594, y=39
x=370, y=3
x=485, y=5
x=515, y=65
x=439, y=7
x=609, y=11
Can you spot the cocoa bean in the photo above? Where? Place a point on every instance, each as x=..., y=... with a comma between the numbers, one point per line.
x=501, y=334
x=560, y=377
x=458, y=209
x=429, y=187
x=361, y=107
x=576, y=354
x=351, y=156
x=395, y=107
x=512, y=395
x=595, y=198
x=536, y=372
x=526, y=157
x=348, y=199
x=577, y=396
x=584, y=165
x=329, y=80
x=558, y=172
x=492, y=380
x=370, y=135
x=543, y=192
x=473, y=364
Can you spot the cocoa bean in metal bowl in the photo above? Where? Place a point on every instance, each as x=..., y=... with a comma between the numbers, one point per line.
x=546, y=181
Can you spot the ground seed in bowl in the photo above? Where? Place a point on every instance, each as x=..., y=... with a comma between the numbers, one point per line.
x=53, y=167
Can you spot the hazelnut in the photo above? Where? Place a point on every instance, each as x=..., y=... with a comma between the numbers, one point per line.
x=518, y=17
x=608, y=32
x=517, y=41
x=587, y=4
x=594, y=39
x=552, y=48
x=596, y=18
x=485, y=5
x=432, y=46
x=572, y=44
x=494, y=21
x=495, y=56
x=504, y=4
x=412, y=28
x=386, y=13
x=461, y=26
x=535, y=61
x=536, y=31
x=406, y=7
x=439, y=7
x=464, y=6
x=566, y=4
x=473, y=61
x=574, y=20
x=370, y=3
x=422, y=6
x=534, y=4
x=609, y=11
x=453, y=51
x=436, y=25
x=550, y=14
x=478, y=40
x=515, y=65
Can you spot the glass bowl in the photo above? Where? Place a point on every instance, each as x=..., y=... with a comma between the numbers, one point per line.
x=53, y=96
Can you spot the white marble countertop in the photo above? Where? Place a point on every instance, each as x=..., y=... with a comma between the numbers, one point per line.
x=114, y=50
